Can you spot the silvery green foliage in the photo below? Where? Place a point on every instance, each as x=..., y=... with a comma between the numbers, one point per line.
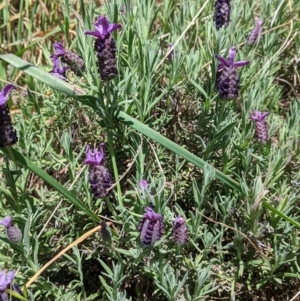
x=112, y=281
x=171, y=281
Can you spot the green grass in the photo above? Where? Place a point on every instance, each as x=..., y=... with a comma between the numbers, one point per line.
x=161, y=120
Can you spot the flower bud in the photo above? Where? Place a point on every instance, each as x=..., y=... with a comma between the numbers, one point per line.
x=222, y=13
x=261, y=127
x=256, y=32
x=180, y=234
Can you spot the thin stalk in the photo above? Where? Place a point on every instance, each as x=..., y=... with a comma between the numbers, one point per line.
x=111, y=146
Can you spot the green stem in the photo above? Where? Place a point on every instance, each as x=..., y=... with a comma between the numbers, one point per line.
x=11, y=180
x=111, y=145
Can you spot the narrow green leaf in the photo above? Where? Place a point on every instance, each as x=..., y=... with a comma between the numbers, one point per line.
x=277, y=212
x=24, y=161
x=175, y=148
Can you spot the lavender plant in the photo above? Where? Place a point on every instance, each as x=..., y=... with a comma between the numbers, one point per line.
x=58, y=70
x=261, y=127
x=222, y=13
x=74, y=61
x=228, y=84
x=255, y=34
x=6, y=282
x=105, y=48
x=13, y=233
x=99, y=176
x=151, y=227
x=8, y=135
x=209, y=174
x=180, y=231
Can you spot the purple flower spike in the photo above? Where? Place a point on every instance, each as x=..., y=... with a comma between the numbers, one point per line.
x=99, y=176
x=6, y=282
x=12, y=232
x=261, y=127
x=6, y=279
x=58, y=71
x=180, y=234
x=150, y=227
x=105, y=48
x=103, y=28
x=222, y=13
x=228, y=84
x=143, y=184
x=256, y=32
x=5, y=93
x=8, y=135
x=95, y=157
x=74, y=61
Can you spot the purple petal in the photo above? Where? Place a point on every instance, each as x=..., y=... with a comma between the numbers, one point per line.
x=102, y=28
x=258, y=116
x=58, y=71
x=222, y=60
x=2, y=278
x=230, y=61
x=5, y=280
x=93, y=33
x=231, y=55
x=59, y=48
x=151, y=215
x=95, y=157
x=4, y=93
x=6, y=222
x=241, y=63
x=55, y=60
x=144, y=184
x=113, y=27
x=102, y=25
x=10, y=276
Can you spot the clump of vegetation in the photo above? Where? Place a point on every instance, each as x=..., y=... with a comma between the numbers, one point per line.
x=197, y=196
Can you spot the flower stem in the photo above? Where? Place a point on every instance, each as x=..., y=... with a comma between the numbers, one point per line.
x=110, y=143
